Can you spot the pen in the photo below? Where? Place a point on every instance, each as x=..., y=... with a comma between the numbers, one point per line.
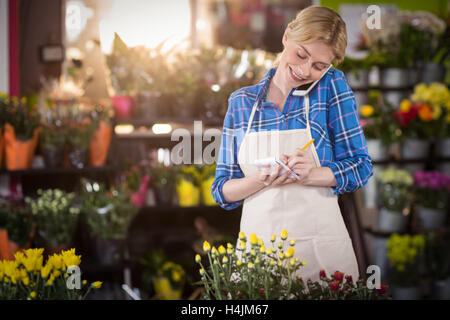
x=307, y=145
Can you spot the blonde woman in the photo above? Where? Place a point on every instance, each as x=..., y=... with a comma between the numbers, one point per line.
x=269, y=120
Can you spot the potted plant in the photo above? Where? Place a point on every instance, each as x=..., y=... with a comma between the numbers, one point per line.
x=437, y=258
x=30, y=277
x=404, y=253
x=208, y=174
x=101, y=116
x=151, y=262
x=431, y=190
x=169, y=281
x=108, y=213
x=19, y=226
x=20, y=134
x=395, y=190
x=188, y=186
x=52, y=143
x=162, y=180
x=56, y=216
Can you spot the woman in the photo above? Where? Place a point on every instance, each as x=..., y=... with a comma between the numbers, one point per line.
x=267, y=120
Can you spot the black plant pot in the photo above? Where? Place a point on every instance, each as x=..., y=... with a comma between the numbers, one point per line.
x=109, y=252
x=78, y=158
x=53, y=157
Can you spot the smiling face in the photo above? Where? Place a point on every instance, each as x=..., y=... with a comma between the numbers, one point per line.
x=302, y=63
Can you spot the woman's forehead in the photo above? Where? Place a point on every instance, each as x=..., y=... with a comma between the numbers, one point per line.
x=318, y=50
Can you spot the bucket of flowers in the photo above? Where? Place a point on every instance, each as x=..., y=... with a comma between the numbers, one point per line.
x=188, y=186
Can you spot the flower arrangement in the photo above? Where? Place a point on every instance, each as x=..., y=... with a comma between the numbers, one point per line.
x=427, y=113
x=404, y=253
x=208, y=173
x=432, y=189
x=108, y=212
x=257, y=272
x=22, y=116
x=56, y=215
x=29, y=278
x=18, y=220
x=395, y=189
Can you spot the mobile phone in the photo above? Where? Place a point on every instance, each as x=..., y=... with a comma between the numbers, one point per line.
x=304, y=89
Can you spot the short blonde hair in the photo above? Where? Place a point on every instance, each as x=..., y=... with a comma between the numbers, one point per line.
x=318, y=23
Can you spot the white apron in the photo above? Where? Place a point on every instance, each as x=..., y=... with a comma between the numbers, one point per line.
x=311, y=215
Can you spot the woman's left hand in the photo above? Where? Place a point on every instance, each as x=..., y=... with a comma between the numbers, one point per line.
x=301, y=163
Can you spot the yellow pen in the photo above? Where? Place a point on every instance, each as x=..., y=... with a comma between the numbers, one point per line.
x=307, y=145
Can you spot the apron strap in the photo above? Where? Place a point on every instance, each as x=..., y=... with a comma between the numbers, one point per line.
x=250, y=120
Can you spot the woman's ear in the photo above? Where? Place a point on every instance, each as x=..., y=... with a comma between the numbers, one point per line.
x=285, y=37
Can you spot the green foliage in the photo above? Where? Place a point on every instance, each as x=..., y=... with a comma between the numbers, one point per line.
x=18, y=220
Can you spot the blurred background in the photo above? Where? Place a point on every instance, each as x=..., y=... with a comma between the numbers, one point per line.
x=92, y=90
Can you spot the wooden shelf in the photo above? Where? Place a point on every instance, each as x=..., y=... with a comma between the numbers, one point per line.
x=62, y=170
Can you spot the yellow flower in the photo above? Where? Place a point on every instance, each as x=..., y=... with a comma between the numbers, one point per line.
x=280, y=245
x=26, y=281
x=292, y=243
x=242, y=245
x=225, y=260
x=284, y=234
x=33, y=294
x=253, y=239
x=198, y=259
x=405, y=105
x=222, y=250
x=274, y=238
x=367, y=111
x=97, y=284
x=229, y=250
x=269, y=251
x=290, y=252
x=281, y=255
x=262, y=249
x=206, y=246
x=176, y=276
x=55, y=261
x=214, y=251
x=239, y=263
x=242, y=236
x=253, y=252
x=260, y=242
x=304, y=263
x=202, y=271
x=70, y=259
x=250, y=265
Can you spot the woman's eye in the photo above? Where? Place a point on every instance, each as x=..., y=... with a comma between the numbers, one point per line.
x=301, y=57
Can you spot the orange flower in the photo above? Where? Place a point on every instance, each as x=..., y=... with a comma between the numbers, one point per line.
x=425, y=113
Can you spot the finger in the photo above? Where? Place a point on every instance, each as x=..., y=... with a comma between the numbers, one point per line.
x=284, y=158
x=281, y=179
x=274, y=175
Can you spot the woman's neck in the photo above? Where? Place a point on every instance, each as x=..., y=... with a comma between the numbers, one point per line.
x=277, y=93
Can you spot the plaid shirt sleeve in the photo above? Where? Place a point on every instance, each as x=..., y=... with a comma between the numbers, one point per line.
x=352, y=165
x=227, y=166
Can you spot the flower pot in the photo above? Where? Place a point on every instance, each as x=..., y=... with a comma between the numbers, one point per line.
x=188, y=194
x=108, y=252
x=99, y=146
x=394, y=77
x=377, y=150
x=415, y=149
x=19, y=154
x=389, y=221
x=123, y=106
x=53, y=157
x=5, y=251
x=432, y=72
x=443, y=148
x=164, y=290
x=78, y=158
x=358, y=79
x=406, y=293
x=2, y=146
x=208, y=199
x=431, y=219
x=440, y=289
x=394, y=98
x=379, y=246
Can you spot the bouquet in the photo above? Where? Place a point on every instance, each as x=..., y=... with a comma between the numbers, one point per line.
x=396, y=189
x=29, y=277
x=56, y=215
x=404, y=253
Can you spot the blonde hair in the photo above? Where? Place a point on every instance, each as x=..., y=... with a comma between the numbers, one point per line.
x=318, y=23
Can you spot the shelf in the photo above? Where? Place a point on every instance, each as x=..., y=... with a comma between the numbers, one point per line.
x=406, y=161
x=69, y=170
x=404, y=88
x=180, y=120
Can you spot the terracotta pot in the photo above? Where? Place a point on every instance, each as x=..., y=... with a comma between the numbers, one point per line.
x=2, y=146
x=19, y=154
x=100, y=144
x=5, y=252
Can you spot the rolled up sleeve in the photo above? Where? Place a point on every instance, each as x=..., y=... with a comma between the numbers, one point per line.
x=352, y=165
x=227, y=166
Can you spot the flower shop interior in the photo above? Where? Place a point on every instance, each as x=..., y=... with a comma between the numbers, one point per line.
x=97, y=95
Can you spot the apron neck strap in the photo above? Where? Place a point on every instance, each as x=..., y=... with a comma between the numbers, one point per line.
x=250, y=120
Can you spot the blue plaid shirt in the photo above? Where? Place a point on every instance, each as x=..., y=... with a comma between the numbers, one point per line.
x=335, y=126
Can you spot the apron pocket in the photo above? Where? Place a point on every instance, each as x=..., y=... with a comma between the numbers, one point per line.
x=336, y=254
